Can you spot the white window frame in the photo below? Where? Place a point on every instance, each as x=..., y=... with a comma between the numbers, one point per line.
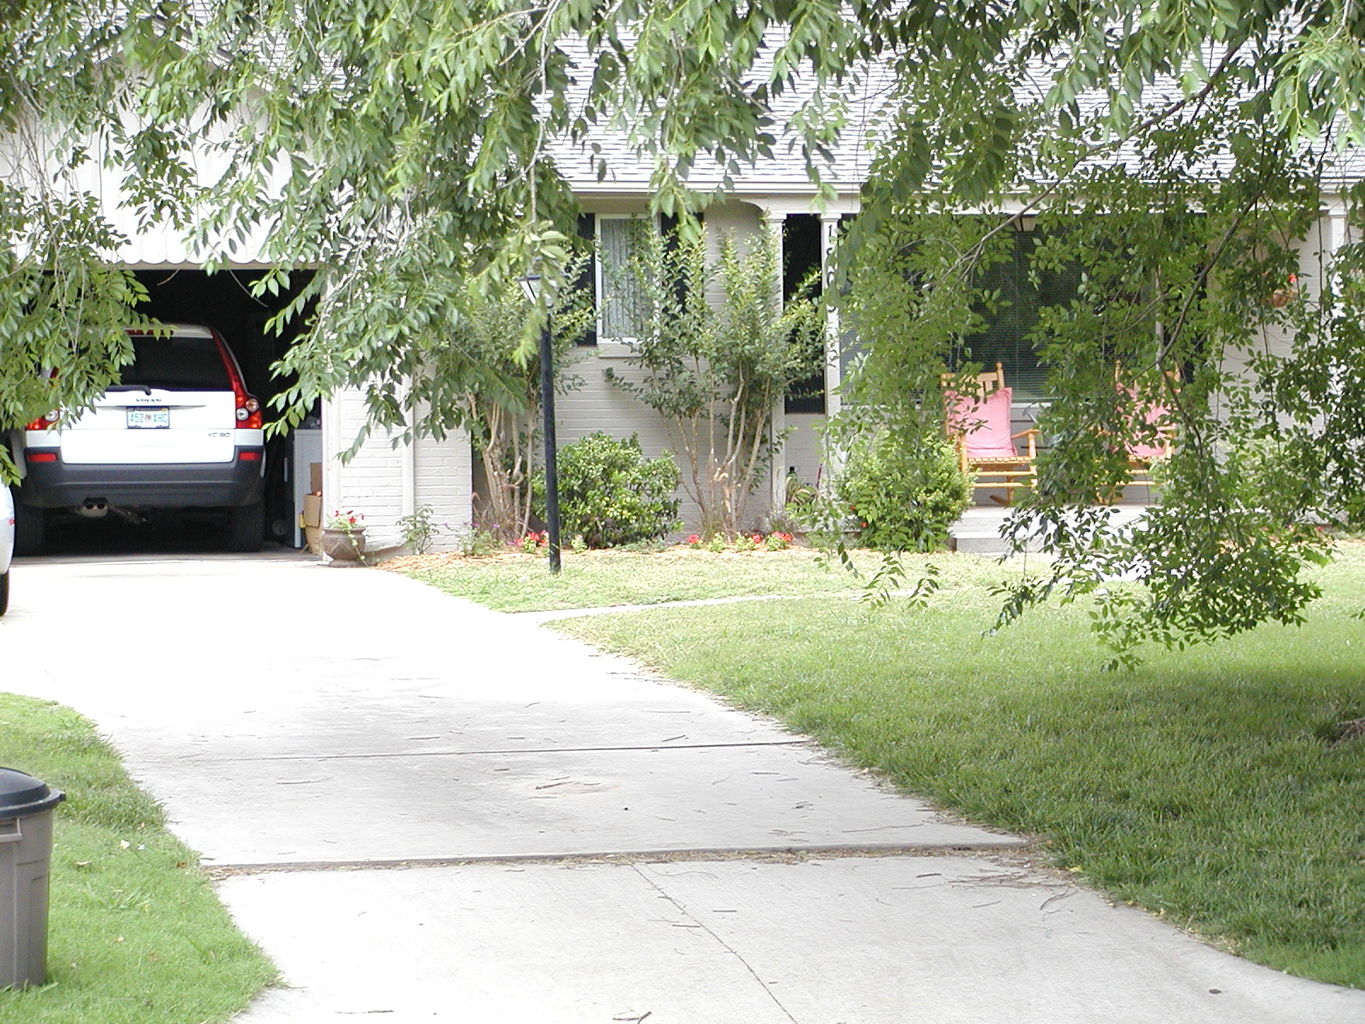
x=607, y=346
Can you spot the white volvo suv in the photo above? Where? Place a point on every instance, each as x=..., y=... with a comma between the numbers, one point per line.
x=179, y=430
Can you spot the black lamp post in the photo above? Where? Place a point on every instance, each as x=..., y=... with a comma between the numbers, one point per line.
x=531, y=283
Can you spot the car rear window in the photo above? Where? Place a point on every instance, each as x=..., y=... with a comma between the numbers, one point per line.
x=177, y=364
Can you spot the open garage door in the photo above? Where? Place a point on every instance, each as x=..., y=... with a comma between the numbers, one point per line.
x=170, y=502
x=224, y=300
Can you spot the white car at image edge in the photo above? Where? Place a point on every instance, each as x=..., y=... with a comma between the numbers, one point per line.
x=6, y=544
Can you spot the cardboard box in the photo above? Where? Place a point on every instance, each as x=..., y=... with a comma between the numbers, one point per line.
x=311, y=521
x=312, y=509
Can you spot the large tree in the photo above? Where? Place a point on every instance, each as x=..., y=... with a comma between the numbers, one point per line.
x=73, y=78
x=379, y=141
x=1178, y=159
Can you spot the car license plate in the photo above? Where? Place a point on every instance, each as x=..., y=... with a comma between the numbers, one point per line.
x=148, y=419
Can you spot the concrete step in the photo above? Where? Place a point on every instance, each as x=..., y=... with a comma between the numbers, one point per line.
x=978, y=531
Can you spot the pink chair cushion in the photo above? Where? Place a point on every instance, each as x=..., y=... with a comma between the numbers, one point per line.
x=1153, y=415
x=984, y=425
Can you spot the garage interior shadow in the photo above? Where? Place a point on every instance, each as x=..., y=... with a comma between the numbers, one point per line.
x=222, y=300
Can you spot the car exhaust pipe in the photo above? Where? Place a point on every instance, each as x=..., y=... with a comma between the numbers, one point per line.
x=93, y=508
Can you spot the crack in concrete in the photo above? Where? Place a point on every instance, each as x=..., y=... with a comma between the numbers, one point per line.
x=682, y=909
x=760, y=854
x=382, y=755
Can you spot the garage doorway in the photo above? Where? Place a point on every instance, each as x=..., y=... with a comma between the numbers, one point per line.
x=224, y=300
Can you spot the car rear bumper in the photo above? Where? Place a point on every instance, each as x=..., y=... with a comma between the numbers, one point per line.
x=170, y=485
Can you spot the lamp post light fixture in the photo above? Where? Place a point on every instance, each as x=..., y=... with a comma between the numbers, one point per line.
x=532, y=285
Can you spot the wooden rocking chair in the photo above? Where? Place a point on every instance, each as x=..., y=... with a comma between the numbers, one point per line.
x=1143, y=451
x=979, y=425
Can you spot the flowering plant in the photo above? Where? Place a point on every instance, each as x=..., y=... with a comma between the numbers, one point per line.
x=778, y=541
x=348, y=521
x=533, y=541
x=694, y=541
x=747, y=542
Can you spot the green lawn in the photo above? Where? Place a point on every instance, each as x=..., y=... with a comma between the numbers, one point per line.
x=1203, y=786
x=136, y=933
x=593, y=579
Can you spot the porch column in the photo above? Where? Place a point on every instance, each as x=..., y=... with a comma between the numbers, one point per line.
x=829, y=239
x=1338, y=235
x=409, y=477
x=331, y=444
x=773, y=222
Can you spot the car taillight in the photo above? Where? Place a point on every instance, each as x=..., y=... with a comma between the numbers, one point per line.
x=248, y=407
x=47, y=422
x=248, y=410
x=41, y=456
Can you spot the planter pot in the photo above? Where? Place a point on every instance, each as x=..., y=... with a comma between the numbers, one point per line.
x=344, y=545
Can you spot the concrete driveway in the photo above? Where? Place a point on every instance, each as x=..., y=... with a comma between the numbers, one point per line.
x=426, y=811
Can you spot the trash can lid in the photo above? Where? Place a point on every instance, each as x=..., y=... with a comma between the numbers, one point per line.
x=22, y=794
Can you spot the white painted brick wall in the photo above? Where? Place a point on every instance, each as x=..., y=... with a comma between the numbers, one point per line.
x=598, y=405
x=805, y=449
x=374, y=481
x=443, y=481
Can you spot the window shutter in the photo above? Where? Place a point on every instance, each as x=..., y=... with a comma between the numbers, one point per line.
x=587, y=280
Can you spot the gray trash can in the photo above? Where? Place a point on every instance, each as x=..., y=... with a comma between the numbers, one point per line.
x=26, y=807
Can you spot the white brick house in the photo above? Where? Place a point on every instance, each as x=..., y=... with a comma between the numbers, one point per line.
x=387, y=482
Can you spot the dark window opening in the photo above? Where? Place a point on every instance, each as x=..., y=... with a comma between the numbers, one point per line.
x=801, y=256
x=587, y=280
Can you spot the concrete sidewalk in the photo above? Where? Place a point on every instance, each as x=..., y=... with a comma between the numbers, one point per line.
x=426, y=811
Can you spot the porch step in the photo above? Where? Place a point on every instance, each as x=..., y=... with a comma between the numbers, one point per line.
x=978, y=531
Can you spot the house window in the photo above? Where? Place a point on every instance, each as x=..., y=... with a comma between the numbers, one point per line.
x=800, y=256
x=620, y=312
x=1008, y=336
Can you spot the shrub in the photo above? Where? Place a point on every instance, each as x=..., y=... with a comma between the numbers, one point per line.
x=904, y=497
x=716, y=348
x=419, y=529
x=612, y=495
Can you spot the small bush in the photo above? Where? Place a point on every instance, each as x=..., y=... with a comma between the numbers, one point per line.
x=612, y=495
x=479, y=543
x=419, y=529
x=904, y=497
